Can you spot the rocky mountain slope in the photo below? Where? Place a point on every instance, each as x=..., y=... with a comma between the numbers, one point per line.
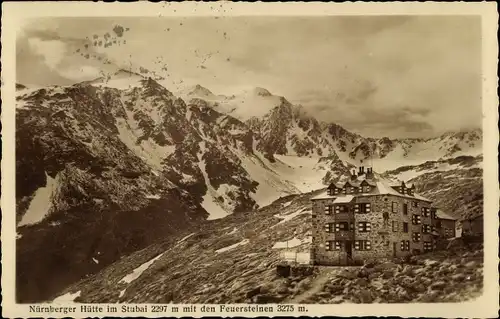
x=454, y=185
x=233, y=260
x=108, y=167
x=288, y=129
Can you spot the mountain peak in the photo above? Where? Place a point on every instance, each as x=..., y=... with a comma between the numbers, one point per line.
x=261, y=92
x=20, y=86
x=121, y=73
x=200, y=91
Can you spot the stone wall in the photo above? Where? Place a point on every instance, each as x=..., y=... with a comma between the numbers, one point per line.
x=319, y=237
x=385, y=236
x=474, y=226
x=447, y=229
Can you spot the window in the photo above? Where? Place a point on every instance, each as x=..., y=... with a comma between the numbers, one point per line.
x=416, y=219
x=340, y=209
x=394, y=207
x=405, y=209
x=344, y=190
x=335, y=190
x=416, y=237
x=366, y=189
x=362, y=208
x=337, y=245
x=329, y=227
x=448, y=232
x=394, y=226
x=405, y=245
x=405, y=227
x=414, y=204
x=362, y=245
x=329, y=245
x=341, y=226
x=364, y=227
x=351, y=190
x=426, y=229
x=330, y=192
x=427, y=246
x=333, y=245
x=328, y=209
x=426, y=212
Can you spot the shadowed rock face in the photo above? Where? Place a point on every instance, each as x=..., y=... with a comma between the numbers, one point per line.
x=126, y=166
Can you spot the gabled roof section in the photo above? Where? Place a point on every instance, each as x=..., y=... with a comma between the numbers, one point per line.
x=352, y=183
x=343, y=199
x=381, y=187
x=442, y=215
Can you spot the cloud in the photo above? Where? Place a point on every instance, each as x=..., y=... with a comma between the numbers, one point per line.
x=53, y=51
x=81, y=73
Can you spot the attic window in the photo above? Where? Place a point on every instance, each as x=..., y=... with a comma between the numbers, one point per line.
x=335, y=190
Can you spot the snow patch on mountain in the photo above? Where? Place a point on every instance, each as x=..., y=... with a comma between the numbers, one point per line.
x=303, y=172
x=271, y=184
x=294, y=242
x=213, y=208
x=137, y=272
x=287, y=217
x=67, y=298
x=41, y=203
x=241, y=243
x=152, y=153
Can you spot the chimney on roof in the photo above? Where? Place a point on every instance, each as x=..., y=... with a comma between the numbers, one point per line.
x=353, y=175
x=369, y=172
x=361, y=170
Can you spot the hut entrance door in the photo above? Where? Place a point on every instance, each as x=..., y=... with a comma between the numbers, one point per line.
x=348, y=250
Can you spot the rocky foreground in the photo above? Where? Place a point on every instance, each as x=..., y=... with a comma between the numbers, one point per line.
x=441, y=276
x=235, y=260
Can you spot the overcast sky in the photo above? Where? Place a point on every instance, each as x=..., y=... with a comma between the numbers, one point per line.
x=396, y=76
